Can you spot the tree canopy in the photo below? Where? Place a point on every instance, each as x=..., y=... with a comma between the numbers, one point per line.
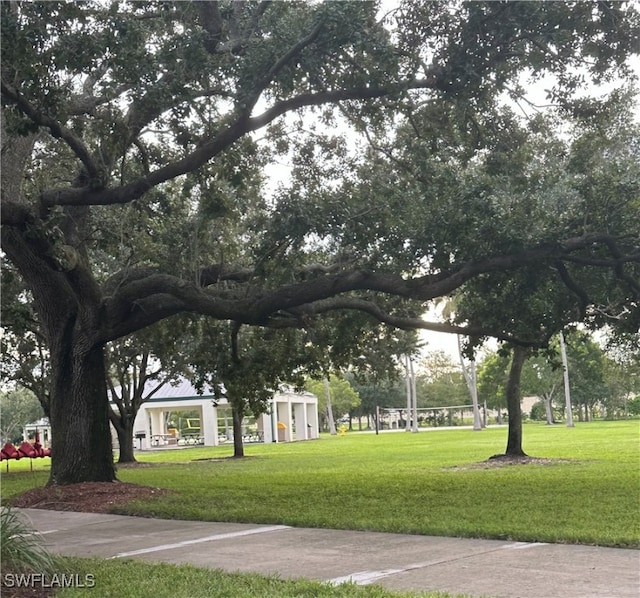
x=440, y=381
x=138, y=95
x=133, y=175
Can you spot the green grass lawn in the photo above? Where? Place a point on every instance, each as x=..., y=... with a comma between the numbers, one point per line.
x=133, y=579
x=432, y=482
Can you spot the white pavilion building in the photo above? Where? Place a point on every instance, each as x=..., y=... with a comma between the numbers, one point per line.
x=291, y=416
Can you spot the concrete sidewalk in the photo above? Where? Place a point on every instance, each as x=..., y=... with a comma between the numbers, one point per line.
x=491, y=568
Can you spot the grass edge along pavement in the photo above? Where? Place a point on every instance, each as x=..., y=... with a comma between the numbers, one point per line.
x=128, y=578
x=431, y=483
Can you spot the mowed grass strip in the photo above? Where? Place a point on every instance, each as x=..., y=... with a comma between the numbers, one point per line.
x=133, y=579
x=432, y=483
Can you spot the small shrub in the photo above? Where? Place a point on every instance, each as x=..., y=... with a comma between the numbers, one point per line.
x=634, y=406
x=538, y=412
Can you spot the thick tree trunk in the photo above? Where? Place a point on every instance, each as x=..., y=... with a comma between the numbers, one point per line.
x=514, y=440
x=67, y=301
x=124, y=430
x=238, y=445
x=81, y=440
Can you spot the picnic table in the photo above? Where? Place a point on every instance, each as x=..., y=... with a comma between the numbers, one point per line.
x=161, y=439
x=192, y=439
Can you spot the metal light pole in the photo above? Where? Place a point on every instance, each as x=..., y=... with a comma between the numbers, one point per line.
x=472, y=384
x=414, y=398
x=567, y=389
x=407, y=424
x=332, y=423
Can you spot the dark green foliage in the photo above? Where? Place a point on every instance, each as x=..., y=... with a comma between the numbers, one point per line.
x=144, y=196
x=634, y=406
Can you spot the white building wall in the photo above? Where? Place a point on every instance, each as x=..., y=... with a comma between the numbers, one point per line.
x=209, y=423
x=300, y=415
x=312, y=420
x=284, y=417
x=267, y=424
x=284, y=407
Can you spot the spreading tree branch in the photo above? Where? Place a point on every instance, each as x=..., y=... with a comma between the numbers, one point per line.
x=211, y=148
x=398, y=321
x=211, y=21
x=147, y=299
x=57, y=130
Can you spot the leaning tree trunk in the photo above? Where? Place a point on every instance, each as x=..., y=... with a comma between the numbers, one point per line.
x=81, y=439
x=237, y=416
x=514, y=439
x=548, y=408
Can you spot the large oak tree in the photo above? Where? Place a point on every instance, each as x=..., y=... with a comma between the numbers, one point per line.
x=113, y=106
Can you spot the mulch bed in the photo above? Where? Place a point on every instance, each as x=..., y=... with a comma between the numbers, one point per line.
x=88, y=497
x=498, y=461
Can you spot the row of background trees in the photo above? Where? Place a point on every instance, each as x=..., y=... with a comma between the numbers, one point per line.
x=605, y=383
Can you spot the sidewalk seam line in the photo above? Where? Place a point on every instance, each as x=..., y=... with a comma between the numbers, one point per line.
x=224, y=536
